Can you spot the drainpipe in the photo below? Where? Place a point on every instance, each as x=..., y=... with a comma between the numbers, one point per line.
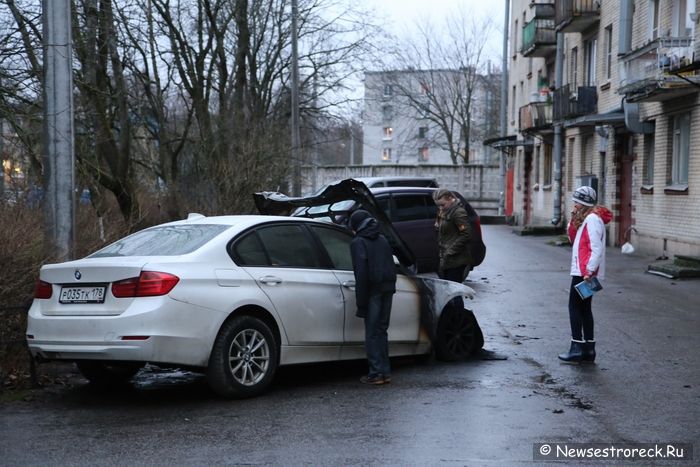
x=558, y=77
x=504, y=113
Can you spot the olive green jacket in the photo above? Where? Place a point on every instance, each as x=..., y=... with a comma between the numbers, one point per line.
x=454, y=235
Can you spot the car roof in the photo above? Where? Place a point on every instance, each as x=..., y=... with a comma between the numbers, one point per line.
x=235, y=220
x=401, y=189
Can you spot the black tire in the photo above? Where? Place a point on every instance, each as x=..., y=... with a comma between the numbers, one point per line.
x=458, y=335
x=105, y=373
x=244, y=358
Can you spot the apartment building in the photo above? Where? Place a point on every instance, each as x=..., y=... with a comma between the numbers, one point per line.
x=416, y=117
x=611, y=90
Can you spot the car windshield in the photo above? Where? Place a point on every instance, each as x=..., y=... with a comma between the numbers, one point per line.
x=169, y=240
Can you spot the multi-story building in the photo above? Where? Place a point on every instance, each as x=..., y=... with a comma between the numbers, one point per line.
x=605, y=93
x=413, y=117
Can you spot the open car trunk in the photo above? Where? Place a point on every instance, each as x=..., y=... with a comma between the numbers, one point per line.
x=275, y=203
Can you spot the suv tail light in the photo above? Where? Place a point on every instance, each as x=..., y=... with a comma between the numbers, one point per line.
x=43, y=289
x=148, y=284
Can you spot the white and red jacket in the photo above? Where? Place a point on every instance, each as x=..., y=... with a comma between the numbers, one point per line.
x=588, y=251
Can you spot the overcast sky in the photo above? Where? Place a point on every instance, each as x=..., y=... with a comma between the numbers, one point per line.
x=401, y=15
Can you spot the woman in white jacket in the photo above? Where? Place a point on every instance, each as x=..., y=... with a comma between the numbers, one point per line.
x=587, y=235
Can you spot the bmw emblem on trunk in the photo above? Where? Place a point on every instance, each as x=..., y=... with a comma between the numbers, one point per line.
x=77, y=274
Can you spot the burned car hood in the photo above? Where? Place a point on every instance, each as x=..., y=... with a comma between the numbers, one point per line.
x=275, y=203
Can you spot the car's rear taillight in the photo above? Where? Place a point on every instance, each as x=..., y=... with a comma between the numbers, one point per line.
x=43, y=289
x=148, y=284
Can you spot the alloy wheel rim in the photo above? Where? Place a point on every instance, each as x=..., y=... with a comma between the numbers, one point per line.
x=249, y=357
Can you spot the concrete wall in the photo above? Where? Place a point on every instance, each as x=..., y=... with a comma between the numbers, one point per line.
x=479, y=184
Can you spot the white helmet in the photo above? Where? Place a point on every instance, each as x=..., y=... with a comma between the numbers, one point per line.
x=585, y=195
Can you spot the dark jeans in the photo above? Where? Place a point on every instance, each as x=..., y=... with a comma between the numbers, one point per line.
x=376, y=336
x=454, y=275
x=580, y=313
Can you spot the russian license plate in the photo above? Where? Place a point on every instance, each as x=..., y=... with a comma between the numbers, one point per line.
x=89, y=294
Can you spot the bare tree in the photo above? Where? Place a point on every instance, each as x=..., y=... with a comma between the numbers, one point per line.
x=438, y=77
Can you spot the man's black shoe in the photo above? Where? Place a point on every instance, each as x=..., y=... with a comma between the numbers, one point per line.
x=377, y=379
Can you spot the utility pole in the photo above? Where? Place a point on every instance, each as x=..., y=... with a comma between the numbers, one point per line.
x=59, y=171
x=296, y=139
x=504, y=112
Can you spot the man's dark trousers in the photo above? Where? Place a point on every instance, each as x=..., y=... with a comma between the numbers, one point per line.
x=376, y=336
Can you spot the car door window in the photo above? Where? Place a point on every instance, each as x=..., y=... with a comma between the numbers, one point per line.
x=337, y=244
x=432, y=207
x=289, y=246
x=250, y=252
x=409, y=207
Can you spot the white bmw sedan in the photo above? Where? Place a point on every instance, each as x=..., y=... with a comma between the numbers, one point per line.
x=233, y=297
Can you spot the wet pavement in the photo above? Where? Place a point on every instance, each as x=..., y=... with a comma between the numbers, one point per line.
x=644, y=387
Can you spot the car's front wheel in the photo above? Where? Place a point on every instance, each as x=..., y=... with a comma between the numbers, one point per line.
x=458, y=335
x=102, y=373
x=244, y=358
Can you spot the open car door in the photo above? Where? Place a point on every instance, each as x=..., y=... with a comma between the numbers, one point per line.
x=275, y=203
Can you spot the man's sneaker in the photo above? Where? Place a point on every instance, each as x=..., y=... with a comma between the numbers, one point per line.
x=387, y=379
x=377, y=379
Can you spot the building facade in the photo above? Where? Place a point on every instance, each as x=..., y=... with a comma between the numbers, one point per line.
x=413, y=117
x=606, y=93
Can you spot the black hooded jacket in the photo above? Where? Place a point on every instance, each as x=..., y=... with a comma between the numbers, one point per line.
x=372, y=260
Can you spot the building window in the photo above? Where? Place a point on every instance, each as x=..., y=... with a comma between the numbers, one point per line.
x=388, y=133
x=516, y=35
x=653, y=19
x=512, y=106
x=538, y=151
x=387, y=113
x=682, y=24
x=573, y=70
x=681, y=148
x=570, y=162
x=608, y=52
x=388, y=90
x=424, y=88
x=386, y=154
x=590, y=50
x=648, y=168
x=547, y=169
x=423, y=132
x=424, y=154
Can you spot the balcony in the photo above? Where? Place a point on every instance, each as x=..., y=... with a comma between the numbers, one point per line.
x=568, y=105
x=659, y=71
x=536, y=117
x=576, y=15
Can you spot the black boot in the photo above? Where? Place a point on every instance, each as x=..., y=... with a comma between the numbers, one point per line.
x=589, y=351
x=575, y=353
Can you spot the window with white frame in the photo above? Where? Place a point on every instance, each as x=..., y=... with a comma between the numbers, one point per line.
x=424, y=154
x=683, y=25
x=422, y=132
x=547, y=165
x=573, y=70
x=648, y=167
x=591, y=46
x=387, y=113
x=388, y=90
x=386, y=154
x=653, y=19
x=387, y=133
x=608, y=52
x=680, y=143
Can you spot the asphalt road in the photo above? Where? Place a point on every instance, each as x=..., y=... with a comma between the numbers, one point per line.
x=644, y=387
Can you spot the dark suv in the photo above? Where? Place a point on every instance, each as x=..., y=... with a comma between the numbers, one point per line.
x=411, y=212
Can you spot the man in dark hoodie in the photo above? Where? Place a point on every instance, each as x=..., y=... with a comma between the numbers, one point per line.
x=375, y=285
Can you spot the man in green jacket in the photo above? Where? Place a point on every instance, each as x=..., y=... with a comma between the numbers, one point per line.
x=454, y=235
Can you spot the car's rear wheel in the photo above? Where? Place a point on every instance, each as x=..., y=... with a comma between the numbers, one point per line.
x=102, y=373
x=458, y=335
x=244, y=358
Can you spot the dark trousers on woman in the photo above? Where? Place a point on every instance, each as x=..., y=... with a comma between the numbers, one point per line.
x=580, y=314
x=376, y=335
x=454, y=275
